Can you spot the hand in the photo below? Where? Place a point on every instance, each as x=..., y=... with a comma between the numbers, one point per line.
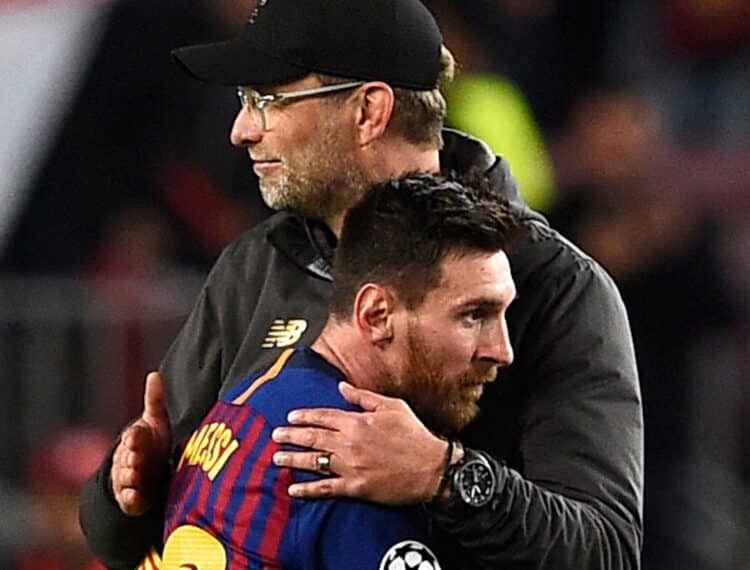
x=384, y=454
x=143, y=452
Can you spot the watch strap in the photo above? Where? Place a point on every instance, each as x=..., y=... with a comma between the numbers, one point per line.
x=453, y=455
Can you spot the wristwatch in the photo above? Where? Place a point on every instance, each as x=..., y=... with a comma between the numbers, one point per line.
x=472, y=479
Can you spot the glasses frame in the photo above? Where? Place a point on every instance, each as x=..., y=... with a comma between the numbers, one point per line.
x=254, y=101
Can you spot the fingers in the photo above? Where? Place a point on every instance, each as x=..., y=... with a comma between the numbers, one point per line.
x=142, y=451
x=321, y=489
x=154, y=400
x=130, y=488
x=128, y=500
x=130, y=453
x=340, y=420
x=327, y=418
x=127, y=458
x=314, y=438
x=155, y=416
x=136, y=438
x=365, y=399
x=135, y=461
x=306, y=460
x=128, y=480
x=132, y=502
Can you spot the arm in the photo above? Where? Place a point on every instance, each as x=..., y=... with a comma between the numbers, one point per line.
x=119, y=504
x=119, y=529
x=219, y=344
x=575, y=499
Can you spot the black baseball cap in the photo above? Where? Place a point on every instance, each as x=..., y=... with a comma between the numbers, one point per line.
x=396, y=41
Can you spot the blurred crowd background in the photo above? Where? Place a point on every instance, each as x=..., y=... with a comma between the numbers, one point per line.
x=627, y=122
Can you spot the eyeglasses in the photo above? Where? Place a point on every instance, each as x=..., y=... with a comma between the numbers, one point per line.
x=256, y=102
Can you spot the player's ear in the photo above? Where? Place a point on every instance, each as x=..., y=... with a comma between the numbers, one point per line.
x=373, y=313
x=375, y=103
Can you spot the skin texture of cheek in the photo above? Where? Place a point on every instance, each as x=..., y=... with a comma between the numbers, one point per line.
x=318, y=177
x=443, y=401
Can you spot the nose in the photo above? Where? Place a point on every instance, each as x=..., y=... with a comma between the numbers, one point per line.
x=494, y=344
x=247, y=128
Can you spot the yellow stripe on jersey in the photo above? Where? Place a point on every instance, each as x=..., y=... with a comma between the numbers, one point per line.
x=151, y=562
x=270, y=374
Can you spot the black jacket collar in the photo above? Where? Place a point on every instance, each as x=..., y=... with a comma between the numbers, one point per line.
x=462, y=153
x=311, y=244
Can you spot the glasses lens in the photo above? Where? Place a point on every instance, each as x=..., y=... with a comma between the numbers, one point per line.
x=253, y=103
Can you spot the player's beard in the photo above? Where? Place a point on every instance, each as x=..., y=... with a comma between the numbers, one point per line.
x=445, y=405
x=320, y=179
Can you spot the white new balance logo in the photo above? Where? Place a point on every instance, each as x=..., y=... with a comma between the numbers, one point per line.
x=284, y=333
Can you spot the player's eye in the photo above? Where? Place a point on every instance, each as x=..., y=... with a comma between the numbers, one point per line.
x=476, y=314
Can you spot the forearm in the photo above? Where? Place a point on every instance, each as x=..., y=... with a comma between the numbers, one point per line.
x=118, y=540
x=537, y=528
x=191, y=372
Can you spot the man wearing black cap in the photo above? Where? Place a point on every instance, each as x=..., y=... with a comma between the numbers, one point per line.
x=337, y=94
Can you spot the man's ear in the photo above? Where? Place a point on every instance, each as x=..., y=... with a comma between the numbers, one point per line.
x=374, y=111
x=373, y=313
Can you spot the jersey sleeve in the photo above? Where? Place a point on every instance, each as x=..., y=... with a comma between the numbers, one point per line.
x=345, y=534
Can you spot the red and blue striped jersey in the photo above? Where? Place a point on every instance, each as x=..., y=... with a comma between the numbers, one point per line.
x=228, y=505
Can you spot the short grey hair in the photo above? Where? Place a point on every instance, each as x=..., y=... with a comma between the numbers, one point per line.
x=417, y=115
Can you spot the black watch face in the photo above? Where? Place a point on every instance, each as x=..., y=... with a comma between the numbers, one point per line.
x=475, y=482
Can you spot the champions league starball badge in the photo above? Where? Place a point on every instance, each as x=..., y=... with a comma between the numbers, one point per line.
x=409, y=555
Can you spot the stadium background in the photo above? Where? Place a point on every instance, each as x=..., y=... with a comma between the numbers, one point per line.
x=626, y=121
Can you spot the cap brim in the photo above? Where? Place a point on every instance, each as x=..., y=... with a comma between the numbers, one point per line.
x=235, y=62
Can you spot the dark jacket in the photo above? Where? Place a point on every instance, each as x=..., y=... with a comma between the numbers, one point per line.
x=564, y=421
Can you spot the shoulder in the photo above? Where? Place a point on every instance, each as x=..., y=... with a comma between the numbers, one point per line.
x=566, y=303
x=281, y=245
x=261, y=258
x=296, y=380
x=544, y=261
x=256, y=244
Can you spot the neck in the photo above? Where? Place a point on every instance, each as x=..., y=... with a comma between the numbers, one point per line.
x=400, y=157
x=345, y=351
x=382, y=160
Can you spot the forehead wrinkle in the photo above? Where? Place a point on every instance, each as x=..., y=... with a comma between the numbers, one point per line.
x=502, y=292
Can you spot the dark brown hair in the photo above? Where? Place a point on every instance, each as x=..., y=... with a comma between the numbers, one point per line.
x=401, y=230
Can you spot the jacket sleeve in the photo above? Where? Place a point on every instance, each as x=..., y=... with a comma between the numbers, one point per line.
x=120, y=542
x=577, y=504
x=191, y=372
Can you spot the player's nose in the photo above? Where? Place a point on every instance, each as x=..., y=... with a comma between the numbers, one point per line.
x=495, y=346
x=247, y=128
